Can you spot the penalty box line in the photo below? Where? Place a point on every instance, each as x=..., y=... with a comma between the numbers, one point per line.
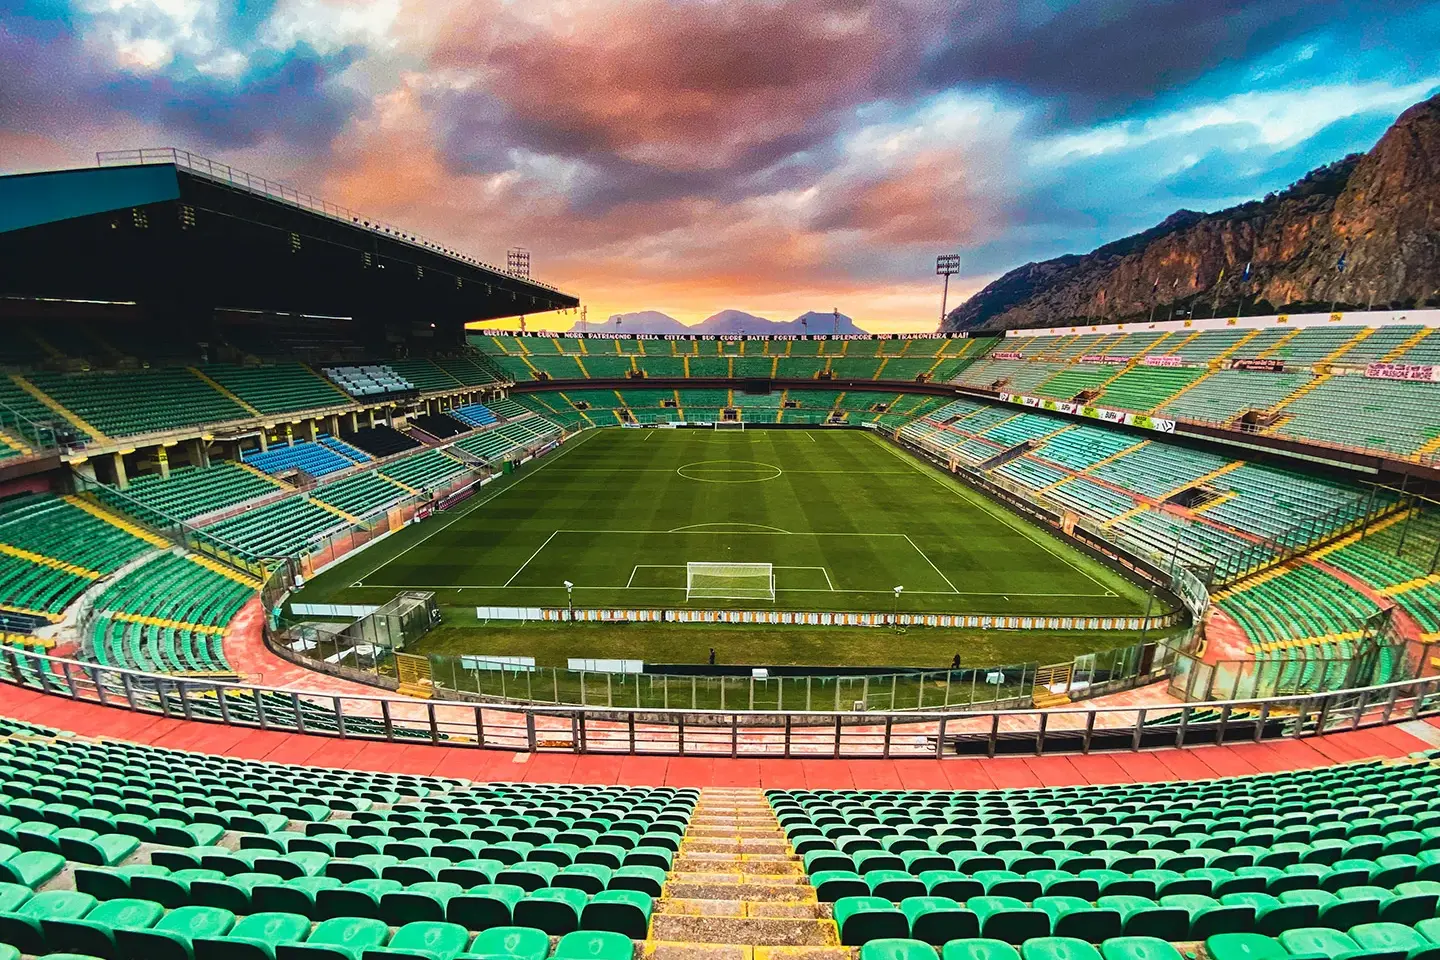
x=629, y=584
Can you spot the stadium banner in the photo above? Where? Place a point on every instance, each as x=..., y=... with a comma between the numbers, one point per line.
x=605, y=666
x=356, y=610
x=1104, y=358
x=824, y=618
x=1402, y=371
x=1260, y=364
x=1169, y=361
x=1007, y=355
x=1144, y=421
x=481, y=662
x=731, y=337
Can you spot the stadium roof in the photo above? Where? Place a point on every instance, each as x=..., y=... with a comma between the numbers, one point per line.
x=185, y=235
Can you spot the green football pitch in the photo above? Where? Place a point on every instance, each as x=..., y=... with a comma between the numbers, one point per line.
x=843, y=515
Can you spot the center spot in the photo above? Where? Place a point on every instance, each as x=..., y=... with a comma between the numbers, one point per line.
x=729, y=471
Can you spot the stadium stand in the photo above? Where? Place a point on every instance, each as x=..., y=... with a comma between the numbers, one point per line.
x=148, y=401
x=192, y=491
x=475, y=414
x=168, y=616
x=278, y=529
x=316, y=459
x=276, y=388
x=423, y=470
x=381, y=441
x=368, y=381
x=360, y=494
x=440, y=425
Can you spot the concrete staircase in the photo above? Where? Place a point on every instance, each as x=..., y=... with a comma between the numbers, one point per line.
x=737, y=891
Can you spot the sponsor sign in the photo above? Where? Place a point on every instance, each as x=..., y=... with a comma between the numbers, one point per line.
x=728, y=337
x=1402, y=371
x=1007, y=355
x=1141, y=420
x=1258, y=363
x=1103, y=358
x=1161, y=362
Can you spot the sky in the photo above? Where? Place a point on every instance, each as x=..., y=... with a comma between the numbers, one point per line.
x=694, y=155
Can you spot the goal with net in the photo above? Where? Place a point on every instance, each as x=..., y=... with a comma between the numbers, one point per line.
x=729, y=581
x=729, y=424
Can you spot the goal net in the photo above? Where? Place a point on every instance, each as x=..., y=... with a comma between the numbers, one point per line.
x=729, y=581
x=729, y=424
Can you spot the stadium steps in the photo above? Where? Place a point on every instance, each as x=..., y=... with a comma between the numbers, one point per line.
x=331, y=508
x=13, y=440
x=1299, y=392
x=1364, y=333
x=224, y=391
x=64, y=412
x=215, y=566
x=736, y=885
x=95, y=510
x=30, y=556
x=1431, y=446
x=581, y=364
x=1202, y=480
x=1408, y=345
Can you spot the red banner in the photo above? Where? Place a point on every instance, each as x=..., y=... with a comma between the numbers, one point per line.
x=1402, y=371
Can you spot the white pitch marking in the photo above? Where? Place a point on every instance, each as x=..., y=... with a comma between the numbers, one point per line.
x=531, y=557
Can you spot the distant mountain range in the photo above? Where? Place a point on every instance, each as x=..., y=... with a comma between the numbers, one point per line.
x=726, y=322
x=1361, y=230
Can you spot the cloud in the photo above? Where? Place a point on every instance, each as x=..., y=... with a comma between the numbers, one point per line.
x=1097, y=58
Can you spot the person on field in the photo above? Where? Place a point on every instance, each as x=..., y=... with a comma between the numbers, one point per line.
x=712, y=656
x=955, y=664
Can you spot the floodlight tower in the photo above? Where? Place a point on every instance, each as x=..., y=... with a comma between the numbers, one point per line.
x=517, y=262
x=946, y=265
x=570, y=598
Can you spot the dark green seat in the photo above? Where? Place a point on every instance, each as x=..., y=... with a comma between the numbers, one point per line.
x=862, y=919
x=23, y=927
x=938, y=920
x=897, y=949
x=1143, y=917
x=1008, y=919
x=556, y=910
x=1394, y=939
x=1071, y=917
x=619, y=911
x=291, y=896
x=418, y=902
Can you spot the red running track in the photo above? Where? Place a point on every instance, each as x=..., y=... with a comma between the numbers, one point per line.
x=1194, y=763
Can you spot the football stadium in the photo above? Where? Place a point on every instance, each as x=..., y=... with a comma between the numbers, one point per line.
x=341, y=619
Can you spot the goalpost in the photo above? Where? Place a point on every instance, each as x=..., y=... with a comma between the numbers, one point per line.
x=729, y=581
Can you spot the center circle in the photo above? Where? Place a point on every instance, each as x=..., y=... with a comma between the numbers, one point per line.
x=729, y=471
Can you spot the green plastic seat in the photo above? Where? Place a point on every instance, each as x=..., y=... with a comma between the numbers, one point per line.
x=862, y=919
x=951, y=884
x=588, y=877
x=367, y=866
x=230, y=893
x=1058, y=948
x=255, y=937
x=1209, y=916
x=95, y=933
x=1140, y=948
x=894, y=885
x=110, y=883
x=418, y=902
x=938, y=920
x=339, y=938
x=31, y=868
x=530, y=874
x=422, y=940
x=555, y=910
x=1245, y=946
x=415, y=870
x=1143, y=917
x=510, y=943
x=625, y=912
x=1008, y=919
x=1318, y=942
x=291, y=896
x=979, y=949
x=23, y=926
x=174, y=936
x=1394, y=938
x=358, y=898
x=471, y=873
x=832, y=885
x=1073, y=918
x=897, y=949
x=86, y=846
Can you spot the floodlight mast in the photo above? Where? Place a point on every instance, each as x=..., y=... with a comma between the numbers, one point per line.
x=569, y=598
x=946, y=265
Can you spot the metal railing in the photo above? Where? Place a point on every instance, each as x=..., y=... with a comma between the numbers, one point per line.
x=734, y=733
x=224, y=173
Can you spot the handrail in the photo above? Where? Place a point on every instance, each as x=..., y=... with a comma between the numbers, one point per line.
x=224, y=173
x=518, y=727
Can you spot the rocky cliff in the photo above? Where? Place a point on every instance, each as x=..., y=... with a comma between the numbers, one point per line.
x=1376, y=209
